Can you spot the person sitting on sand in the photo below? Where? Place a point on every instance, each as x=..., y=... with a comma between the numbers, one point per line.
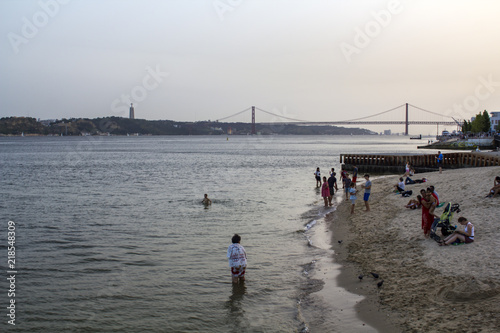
x=466, y=236
x=400, y=187
x=206, y=201
x=414, y=203
x=495, y=190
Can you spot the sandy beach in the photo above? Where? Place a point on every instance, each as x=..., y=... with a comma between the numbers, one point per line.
x=426, y=288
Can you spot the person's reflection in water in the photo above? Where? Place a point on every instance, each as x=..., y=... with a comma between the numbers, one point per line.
x=235, y=313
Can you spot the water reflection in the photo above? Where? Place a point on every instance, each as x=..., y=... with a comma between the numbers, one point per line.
x=235, y=312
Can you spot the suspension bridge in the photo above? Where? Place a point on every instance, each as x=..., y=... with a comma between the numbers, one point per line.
x=368, y=120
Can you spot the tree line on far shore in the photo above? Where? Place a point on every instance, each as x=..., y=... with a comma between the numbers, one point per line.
x=125, y=126
x=480, y=124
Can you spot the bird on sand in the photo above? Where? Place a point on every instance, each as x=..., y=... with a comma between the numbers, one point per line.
x=380, y=283
x=340, y=241
x=360, y=277
x=375, y=275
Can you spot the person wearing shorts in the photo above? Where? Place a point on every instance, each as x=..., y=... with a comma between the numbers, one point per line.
x=352, y=197
x=347, y=183
x=367, y=186
x=317, y=175
x=466, y=236
x=440, y=162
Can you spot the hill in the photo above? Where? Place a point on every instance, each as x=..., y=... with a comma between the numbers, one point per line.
x=124, y=126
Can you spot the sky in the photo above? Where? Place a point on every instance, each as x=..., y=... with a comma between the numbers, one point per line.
x=194, y=60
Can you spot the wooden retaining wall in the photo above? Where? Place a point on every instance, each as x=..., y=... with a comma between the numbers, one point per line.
x=420, y=162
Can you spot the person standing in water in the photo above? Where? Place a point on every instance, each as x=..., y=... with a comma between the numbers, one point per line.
x=325, y=191
x=332, y=185
x=317, y=174
x=206, y=201
x=237, y=259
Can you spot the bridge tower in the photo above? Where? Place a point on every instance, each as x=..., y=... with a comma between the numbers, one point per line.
x=253, y=121
x=406, y=122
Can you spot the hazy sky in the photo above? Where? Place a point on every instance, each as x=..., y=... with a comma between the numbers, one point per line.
x=318, y=60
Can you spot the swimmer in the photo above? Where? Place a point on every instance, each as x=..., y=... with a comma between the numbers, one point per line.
x=206, y=201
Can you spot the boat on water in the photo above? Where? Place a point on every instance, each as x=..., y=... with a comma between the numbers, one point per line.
x=418, y=137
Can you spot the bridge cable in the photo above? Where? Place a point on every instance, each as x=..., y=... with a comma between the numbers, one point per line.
x=437, y=114
x=377, y=114
x=279, y=116
x=233, y=115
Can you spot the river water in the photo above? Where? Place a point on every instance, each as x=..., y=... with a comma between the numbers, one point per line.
x=111, y=235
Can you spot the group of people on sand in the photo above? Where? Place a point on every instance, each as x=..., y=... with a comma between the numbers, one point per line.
x=428, y=201
x=328, y=187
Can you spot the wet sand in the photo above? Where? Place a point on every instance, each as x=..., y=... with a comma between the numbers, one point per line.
x=426, y=288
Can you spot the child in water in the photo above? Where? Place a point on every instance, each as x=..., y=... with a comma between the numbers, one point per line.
x=206, y=201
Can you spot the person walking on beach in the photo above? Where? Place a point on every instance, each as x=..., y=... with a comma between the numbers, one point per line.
x=317, y=174
x=332, y=185
x=367, y=186
x=352, y=197
x=237, y=259
x=325, y=191
x=343, y=175
x=407, y=169
x=439, y=161
x=466, y=236
x=347, y=182
x=354, y=174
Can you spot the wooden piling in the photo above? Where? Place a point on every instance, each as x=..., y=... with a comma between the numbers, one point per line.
x=394, y=163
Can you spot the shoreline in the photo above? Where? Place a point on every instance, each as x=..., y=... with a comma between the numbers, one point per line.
x=426, y=287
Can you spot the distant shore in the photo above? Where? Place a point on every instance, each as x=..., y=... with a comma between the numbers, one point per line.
x=426, y=287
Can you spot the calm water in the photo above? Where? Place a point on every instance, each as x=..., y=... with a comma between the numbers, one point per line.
x=111, y=234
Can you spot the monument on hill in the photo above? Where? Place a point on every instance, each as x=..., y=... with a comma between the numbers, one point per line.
x=131, y=114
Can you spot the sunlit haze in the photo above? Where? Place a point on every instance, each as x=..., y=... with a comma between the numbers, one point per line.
x=197, y=60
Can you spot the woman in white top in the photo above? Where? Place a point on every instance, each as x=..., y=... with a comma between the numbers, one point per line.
x=466, y=236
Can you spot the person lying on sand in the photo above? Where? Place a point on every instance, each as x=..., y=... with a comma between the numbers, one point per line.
x=466, y=236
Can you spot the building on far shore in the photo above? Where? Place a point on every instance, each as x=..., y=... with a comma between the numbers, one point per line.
x=131, y=114
x=495, y=120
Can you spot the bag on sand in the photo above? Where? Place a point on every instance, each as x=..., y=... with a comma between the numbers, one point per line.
x=407, y=193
